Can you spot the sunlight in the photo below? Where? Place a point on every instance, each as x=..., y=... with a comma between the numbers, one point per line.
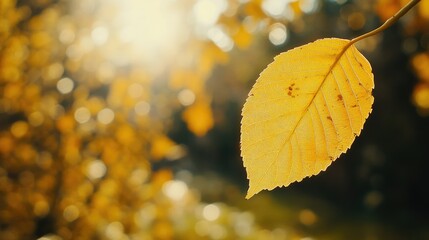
x=152, y=28
x=207, y=12
x=148, y=33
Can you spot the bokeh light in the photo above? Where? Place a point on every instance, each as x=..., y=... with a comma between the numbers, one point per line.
x=96, y=169
x=82, y=115
x=142, y=108
x=207, y=12
x=220, y=38
x=65, y=85
x=278, y=34
x=71, y=213
x=105, y=116
x=211, y=212
x=175, y=190
x=275, y=8
x=186, y=97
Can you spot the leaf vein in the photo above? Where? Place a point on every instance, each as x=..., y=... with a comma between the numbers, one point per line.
x=299, y=151
x=343, y=100
x=323, y=128
x=330, y=114
x=357, y=76
x=291, y=160
x=314, y=136
x=351, y=88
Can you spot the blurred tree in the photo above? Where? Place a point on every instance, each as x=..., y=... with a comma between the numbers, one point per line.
x=104, y=106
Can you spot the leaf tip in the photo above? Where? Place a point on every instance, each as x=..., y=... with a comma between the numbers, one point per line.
x=252, y=191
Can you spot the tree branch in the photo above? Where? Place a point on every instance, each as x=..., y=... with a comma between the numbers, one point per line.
x=389, y=22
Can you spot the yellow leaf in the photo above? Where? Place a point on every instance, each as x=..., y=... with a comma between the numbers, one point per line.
x=421, y=97
x=296, y=8
x=305, y=109
x=242, y=38
x=386, y=8
x=424, y=10
x=161, y=146
x=160, y=177
x=66, y=124
x=420, y=63
x=199, y=118
x=6, y=144
x=125, y=134
x=253, y=8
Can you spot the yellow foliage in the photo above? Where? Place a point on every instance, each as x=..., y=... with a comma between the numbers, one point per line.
x=125, y=135
x=118, y=93
x=253, y=8
x=71, y=149
x=184, y=78
x=19, y=129
x=199, y=118
x=163, y=230
x=40, y=39
x=305, y=109
x=420, y=63
x=110, y=152
x=66, y=124
x=296, y=8
x=6, y=144
x=160, y=177
x=421, y=97
x=387, y=8
x=210, y=55
x=161, y=146
x=242, y=37
x=424, y=10
x=13, y=91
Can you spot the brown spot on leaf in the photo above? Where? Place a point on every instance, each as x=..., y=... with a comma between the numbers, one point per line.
x=290, y=90
x=340, y=97
x=353, y=106
x=329, y=118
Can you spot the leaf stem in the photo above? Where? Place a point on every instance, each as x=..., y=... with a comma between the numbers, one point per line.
x=389, y=22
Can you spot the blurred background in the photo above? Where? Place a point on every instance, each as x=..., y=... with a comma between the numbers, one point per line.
x=121, y=119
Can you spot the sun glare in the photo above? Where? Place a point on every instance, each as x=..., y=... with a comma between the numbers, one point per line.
x=153, y=28
x=137, y=32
